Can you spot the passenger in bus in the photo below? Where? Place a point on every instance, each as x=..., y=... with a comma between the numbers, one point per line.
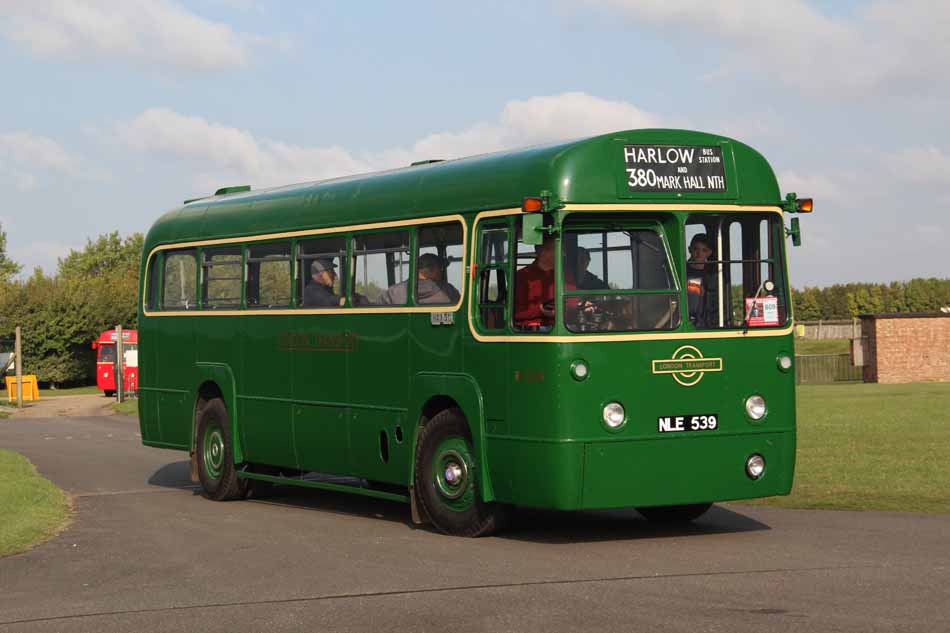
x=586, y=279
x=319, y=292
x=701, y=283
x=430, y=289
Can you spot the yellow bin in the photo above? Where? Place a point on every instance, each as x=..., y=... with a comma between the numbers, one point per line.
x=30, y=390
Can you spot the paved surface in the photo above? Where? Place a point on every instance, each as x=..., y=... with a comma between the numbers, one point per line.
x=146, y=553
x=56, y=406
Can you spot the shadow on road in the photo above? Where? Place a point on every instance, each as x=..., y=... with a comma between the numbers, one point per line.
x=539, y=526
x=174, y=475
x=549, y=526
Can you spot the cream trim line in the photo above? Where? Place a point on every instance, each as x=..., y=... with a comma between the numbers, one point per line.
x=608, y=338
x=303, y=233
x=669, y=207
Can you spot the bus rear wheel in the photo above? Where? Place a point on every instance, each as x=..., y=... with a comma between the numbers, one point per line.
x=446, y=481
x=109, y=393
x=674, y=514
x=216, y=471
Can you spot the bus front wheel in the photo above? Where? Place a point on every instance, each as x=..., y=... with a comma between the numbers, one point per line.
x=219, y=480
x=674, y=514
x=446, y=482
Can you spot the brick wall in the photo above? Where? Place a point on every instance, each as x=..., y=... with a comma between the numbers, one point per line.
x=906, y=348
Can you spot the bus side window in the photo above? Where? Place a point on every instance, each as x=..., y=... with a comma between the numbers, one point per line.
x=221, y=278
x=154, y=281
x=268, y=275
x=381, y=269
x=439, y=258
x=492, y=276
x=179, y=291
x=321, y=273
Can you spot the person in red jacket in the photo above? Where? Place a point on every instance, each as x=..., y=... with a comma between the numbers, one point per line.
x=534, y=289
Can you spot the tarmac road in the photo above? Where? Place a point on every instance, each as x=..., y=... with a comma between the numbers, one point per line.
x=147, y=553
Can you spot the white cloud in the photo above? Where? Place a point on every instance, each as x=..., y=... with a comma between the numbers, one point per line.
x=224, y=153
x=885, y=48
x=25, y=156
x=918, y=165
x=156, y=32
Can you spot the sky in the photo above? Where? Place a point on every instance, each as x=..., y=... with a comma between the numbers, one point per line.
x=114, y=111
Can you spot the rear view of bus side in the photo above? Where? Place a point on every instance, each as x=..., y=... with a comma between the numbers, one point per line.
x=601, y=323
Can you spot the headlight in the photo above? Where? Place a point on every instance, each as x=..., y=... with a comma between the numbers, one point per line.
x=755, y=407
x=579, y=370
x=614, y=415
x=784, y=362
x=755, y=466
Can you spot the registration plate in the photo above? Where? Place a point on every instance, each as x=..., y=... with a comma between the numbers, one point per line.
x=684, y=423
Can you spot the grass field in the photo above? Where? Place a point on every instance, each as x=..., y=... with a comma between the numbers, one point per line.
x=70, y=391
x=129, y=407
x=33, y=509
x=824, y=346
x=872, y=447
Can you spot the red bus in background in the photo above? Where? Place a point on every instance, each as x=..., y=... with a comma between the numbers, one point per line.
x=106, y=361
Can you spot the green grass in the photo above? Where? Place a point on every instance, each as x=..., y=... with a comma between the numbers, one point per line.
x=824, y=346
x=872, y=447
x=70, y=391
x=33, y=509
x=129, y=407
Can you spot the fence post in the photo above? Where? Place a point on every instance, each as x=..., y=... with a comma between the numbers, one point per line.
x=19, y=369
x=119, y=369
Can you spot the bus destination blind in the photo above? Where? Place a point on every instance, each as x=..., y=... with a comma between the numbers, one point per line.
x=674, y=169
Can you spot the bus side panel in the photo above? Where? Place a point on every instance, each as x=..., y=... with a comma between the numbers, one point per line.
x=379, y=391
x=148, y=399
x=536, y=473
x=265, y=390
x=317, y=348
x=175, y=364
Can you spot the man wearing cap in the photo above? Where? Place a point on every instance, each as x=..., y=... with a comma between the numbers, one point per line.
x=430, y=289
x=319, y=292
x=701, y=284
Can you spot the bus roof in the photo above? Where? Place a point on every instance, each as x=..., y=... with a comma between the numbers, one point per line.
x=584, y=171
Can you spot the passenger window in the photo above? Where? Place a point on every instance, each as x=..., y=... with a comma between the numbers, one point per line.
x=439, y=264
x=381, y=269
x=221, y=280
x=268, y=275
x=728, y=289
x=154, y=281
x=492, y=276
x=179, y=291
x=320, y=264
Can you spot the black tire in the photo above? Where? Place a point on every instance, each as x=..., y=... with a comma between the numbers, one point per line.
x=674, y=514
x=109, y=393
x=213, y=446
x=445, y=442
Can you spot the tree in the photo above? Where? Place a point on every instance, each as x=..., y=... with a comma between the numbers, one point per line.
x=108, y=254
x=8, y=267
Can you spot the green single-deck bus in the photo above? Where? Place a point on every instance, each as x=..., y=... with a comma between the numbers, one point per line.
x=600, y=323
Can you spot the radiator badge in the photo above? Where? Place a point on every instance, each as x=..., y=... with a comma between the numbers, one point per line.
x=688, y=365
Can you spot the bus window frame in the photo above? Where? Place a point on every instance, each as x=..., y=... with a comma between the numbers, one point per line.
x=301, y=272
x=411, y=269
x=242, y=280
x=507, y=310
x=167, y=254
x=248, y=260
x=775, y=222
x=414, y=256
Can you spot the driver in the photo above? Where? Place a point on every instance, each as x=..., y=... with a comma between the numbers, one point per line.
x=701, y=283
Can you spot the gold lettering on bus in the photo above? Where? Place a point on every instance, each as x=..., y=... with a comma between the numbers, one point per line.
x=688, y=365
x=318, y=341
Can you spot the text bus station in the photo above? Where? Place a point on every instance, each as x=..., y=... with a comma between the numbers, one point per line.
x=601, y=323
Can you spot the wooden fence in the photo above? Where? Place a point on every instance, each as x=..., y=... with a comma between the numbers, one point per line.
x=811, y=369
